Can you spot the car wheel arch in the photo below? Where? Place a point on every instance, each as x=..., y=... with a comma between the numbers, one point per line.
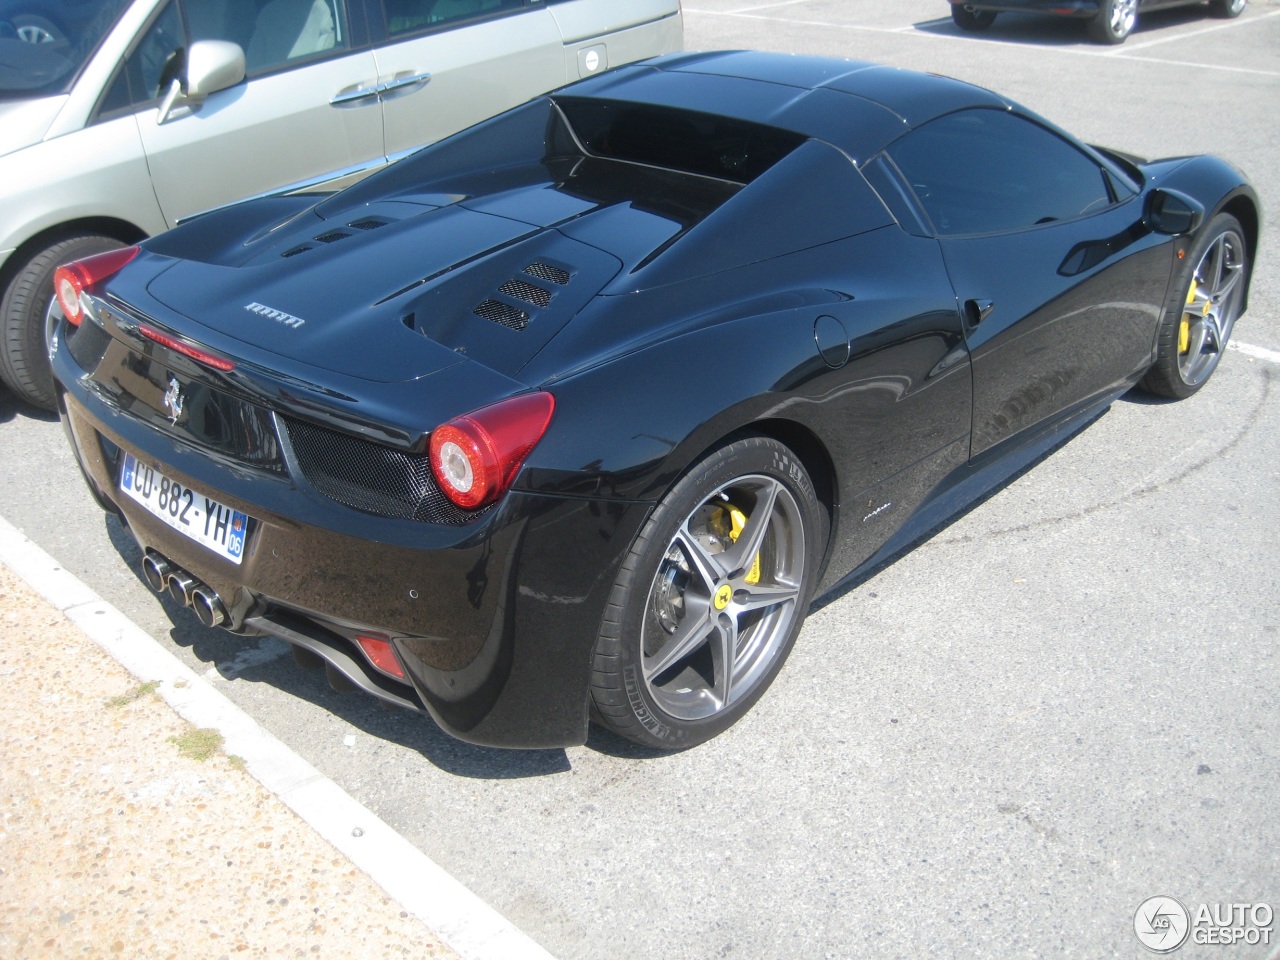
x=121, y=230
x=795, y=436
x=1246, y=211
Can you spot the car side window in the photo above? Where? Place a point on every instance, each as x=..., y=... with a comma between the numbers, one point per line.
x=283, y=30
x=406, y=17
x=152, y=65
x=989, y=171
x=271, y=33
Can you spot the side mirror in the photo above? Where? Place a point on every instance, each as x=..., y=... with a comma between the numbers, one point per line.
x=1172, y=212
x=211, y=65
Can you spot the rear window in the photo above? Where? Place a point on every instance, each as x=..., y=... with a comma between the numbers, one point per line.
x=684, y=140
x=44, y=45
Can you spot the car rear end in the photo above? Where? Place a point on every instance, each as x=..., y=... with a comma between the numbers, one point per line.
x=274, y=499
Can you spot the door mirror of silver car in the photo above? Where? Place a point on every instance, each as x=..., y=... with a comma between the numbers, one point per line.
x=212, y=65
x=1172, y=212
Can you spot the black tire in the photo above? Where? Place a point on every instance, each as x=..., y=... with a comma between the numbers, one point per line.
x=1114, y=22
x=972, y=20
x=726, y=562
x=1227, y=9
x=27, y=312
x=1207, y=298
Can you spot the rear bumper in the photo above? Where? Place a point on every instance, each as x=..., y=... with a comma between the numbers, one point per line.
x=493, y=622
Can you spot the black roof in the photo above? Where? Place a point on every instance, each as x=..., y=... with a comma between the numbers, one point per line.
x=857, y=106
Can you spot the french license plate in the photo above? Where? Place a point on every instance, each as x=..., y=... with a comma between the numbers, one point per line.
x=203, y=519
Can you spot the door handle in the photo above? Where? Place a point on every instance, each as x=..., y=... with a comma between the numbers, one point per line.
x=355, y=94
x=975, y=311
x=396, y=86
x=405, y=84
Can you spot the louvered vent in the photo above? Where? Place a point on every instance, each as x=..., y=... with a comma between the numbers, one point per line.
x=545, y=271
x=368, y=223
x=293, y=252
x=332, y=236
x=528, y=292
x=503, y=313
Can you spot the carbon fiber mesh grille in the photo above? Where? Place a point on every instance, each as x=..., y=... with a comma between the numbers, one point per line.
x=545, y=271
x=369, y=477
x=503, y=313
x=528, y=292
x=87, y=344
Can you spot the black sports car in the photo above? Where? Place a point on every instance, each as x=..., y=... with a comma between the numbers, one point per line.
x=571, y=415
x=1109, y=21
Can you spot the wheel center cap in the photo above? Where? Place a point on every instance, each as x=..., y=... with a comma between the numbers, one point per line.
x=723, y=595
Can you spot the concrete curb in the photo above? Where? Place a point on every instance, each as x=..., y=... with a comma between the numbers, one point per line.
x=461, y=919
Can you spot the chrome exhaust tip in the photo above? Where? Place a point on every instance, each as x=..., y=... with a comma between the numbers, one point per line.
x=208, y=607
x=181, y=584
x=156, y=570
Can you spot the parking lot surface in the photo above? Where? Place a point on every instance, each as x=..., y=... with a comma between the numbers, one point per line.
x=1061, y=704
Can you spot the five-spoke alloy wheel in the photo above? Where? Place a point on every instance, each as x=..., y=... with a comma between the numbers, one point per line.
x=1196, y=329
x=710, y=597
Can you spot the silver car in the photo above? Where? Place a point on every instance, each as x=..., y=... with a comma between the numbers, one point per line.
x=118, y=118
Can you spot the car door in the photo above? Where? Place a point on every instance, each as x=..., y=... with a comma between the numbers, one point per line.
x=1060, y=283
x=446, y=64
x=277, y=127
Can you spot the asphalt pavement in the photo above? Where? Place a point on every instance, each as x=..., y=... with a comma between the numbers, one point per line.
x=1063, y=703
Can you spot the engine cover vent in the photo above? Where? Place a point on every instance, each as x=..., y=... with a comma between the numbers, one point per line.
x=503, y=313
x=545, y=271
x=528, y=292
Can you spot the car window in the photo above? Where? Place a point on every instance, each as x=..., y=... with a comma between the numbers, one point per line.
x=43, y=46
x=271, y=34
x=151, y=67
x=283, y=30
x=987, y=171
x=415, y=16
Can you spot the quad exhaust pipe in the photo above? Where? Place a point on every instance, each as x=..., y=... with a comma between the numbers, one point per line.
x=162, y=575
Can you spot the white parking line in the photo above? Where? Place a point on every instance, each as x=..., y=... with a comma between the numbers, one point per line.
x=761, y=6
x=1258, y=353
x=466, y=923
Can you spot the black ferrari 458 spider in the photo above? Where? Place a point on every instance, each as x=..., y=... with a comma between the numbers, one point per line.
x=572, y=415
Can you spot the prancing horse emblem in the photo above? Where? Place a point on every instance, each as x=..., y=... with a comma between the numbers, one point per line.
x=173, y=400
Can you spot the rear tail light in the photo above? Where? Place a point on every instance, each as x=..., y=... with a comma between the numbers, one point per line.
x=72, y=279
x=475, y=457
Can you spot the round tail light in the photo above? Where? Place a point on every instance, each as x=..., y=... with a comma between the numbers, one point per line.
x=475, y=457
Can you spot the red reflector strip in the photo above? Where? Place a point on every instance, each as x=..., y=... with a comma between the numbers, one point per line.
x=381, y=655
x=195, y=353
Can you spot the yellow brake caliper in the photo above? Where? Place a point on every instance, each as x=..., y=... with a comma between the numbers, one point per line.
x=737, y=521
x=1184, y=328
